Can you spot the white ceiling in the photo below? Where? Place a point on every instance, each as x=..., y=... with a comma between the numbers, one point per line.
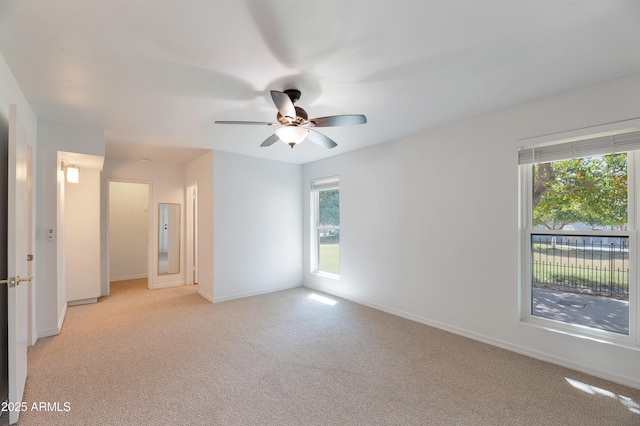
x=156, y=74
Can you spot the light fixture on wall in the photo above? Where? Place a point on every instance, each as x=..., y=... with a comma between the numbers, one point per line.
x=292, y=135
x=73, y=173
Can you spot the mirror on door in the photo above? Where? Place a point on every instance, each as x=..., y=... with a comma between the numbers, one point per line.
x=168, y=238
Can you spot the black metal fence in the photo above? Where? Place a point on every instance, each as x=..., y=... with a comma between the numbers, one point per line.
x=581, y=264
x=329, y=235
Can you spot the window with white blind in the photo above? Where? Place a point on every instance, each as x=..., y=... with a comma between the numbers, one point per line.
x=325, y=229
x=578, y=200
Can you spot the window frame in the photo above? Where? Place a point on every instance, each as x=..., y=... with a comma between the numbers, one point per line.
x=318, y=185
x=525, y=260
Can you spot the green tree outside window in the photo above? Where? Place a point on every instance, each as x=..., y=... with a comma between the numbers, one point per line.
x=591, y=190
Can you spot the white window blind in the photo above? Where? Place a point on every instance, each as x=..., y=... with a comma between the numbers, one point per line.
x=325, y=184
x=587, y=147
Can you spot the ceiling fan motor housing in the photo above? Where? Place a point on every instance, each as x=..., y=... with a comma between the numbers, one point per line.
x=301, y=118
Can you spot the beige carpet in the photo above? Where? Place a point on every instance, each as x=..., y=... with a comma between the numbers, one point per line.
x=142, y=357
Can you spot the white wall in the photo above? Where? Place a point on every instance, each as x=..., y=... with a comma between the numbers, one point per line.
x=258, y=227
x=82, y=230
x=167, y=185
x=128, y=230
x=54, y=138
x=429, y=226
x=200, y=171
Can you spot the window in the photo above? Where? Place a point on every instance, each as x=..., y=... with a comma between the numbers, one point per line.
x=579, y=260
x=325, y=208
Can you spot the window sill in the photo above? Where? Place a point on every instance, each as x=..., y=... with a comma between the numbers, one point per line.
x=582, y=332
x=327, y=275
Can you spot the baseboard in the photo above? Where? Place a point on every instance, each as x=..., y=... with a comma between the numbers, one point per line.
x=167, y=285
x=128, y=277
x=254, y=293
x=48, y=332
x=542, y=356
x=63, y=315
x=82, y=301
x=205, y=295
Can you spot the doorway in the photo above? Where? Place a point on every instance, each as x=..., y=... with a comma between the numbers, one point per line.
x=128, y=231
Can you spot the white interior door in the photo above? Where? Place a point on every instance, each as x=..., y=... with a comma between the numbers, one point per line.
x=17, y=261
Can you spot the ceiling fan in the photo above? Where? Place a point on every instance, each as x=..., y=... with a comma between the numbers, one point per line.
x=295, y=124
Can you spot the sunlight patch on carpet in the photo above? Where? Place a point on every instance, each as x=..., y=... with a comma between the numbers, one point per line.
x=322, y=299
x=633, y=406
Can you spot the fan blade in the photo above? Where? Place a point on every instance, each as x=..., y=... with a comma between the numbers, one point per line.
x=257, y=123
x=270, y=140
x=321, y=139
x=338, y=120
x=284, y=104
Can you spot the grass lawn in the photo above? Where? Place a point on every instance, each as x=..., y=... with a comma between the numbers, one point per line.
x=329, y=258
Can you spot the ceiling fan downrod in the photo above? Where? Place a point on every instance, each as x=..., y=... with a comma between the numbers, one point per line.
x=293, y=94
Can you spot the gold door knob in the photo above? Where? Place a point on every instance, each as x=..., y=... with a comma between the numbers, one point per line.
x=11, y=282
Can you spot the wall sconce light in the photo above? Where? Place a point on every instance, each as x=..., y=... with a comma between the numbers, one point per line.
x=73, y=173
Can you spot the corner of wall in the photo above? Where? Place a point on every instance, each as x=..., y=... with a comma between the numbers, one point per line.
x=54, y=331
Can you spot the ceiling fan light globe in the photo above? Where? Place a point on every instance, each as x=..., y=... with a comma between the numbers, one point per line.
x=292, y=134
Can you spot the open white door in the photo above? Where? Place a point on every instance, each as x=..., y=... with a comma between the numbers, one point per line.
x=17, y=261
